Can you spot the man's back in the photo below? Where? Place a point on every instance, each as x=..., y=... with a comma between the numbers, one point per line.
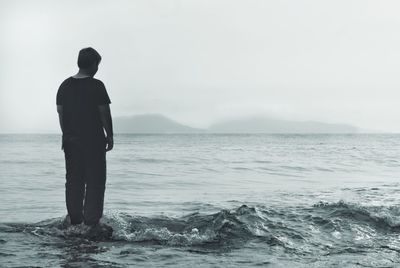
x=84, y=114
x=80, y=98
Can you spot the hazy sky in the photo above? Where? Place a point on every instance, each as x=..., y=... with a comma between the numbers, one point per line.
x=202, y=61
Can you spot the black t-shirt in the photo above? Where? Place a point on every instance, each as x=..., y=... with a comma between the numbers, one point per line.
x=80, y=98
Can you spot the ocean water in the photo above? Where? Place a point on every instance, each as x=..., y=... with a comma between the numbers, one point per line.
x=208, y=200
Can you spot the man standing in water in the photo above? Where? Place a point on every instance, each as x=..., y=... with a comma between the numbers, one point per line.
x=84, y=114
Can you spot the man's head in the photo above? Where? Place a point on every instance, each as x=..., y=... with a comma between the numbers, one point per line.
x=89, y=60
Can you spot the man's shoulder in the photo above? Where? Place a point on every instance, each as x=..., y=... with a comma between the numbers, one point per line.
x=98, y=81
x=92, y=81
x=63, y=83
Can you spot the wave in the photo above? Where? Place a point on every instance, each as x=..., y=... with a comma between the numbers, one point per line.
x=223, y=228
x=286, y=227
x=380, y=217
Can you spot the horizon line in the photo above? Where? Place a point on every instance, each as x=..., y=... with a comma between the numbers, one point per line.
x=210, y=132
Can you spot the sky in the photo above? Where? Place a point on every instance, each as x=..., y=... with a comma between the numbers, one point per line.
x=200, y=62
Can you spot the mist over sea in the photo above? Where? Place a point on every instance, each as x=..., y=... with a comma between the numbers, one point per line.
x=209, y=200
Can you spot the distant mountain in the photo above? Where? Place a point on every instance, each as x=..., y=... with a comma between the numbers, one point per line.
x=270, y=125
x=156, y=123
x=150, y=123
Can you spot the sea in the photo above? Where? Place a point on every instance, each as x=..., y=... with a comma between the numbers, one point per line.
x=209, y=200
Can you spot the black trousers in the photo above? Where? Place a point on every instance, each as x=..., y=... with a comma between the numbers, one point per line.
x=85, y=164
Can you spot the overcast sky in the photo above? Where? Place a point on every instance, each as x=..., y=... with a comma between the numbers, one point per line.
x=202, y=61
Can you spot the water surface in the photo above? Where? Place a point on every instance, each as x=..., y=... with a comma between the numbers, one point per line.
x=208, y=200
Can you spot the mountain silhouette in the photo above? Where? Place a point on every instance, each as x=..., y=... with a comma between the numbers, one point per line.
x=271, y=125
x=150, y=123
x=156, y=123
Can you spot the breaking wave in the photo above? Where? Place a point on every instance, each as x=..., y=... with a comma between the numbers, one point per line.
x=286, y=227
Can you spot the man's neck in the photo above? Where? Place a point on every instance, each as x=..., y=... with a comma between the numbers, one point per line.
x=82, y=74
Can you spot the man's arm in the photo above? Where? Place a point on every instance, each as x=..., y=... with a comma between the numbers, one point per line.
x=106, y=120
x=60, y=113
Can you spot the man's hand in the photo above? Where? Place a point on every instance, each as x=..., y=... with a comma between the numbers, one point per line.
x=109, y=143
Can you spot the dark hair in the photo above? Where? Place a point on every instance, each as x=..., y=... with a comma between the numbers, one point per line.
x=87, y=57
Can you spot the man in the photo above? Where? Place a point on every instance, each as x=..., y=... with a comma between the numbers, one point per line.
x=84, y=114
